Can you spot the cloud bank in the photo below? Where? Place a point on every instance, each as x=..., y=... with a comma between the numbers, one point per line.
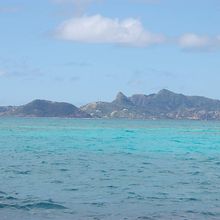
x=99, y=29
x=199, y=42
x=129, y=32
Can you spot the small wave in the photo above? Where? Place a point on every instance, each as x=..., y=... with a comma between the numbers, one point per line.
x=129, y=131
x=208, y=213
x=194, y=173
x=153, y=198
x=118, y=138
x=177, y=141
x=122, y=170
x=30, y=205
x=112, y=187
x=10, y=198
x=58, y=163
x=57, y=181
x=134, y=196
x=64, y=170
x=72, y=190
x=189, y=199
x=191, y=212
x=4, y=196
x=22, y=172
x=97, y=204
x=205, y=183
x=146, y=163
x=43, y=205
x=2, y=206
x=184, y=183
x=144, y=218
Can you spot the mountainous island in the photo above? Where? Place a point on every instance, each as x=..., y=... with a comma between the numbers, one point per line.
x=43, y=108
x=162, y=105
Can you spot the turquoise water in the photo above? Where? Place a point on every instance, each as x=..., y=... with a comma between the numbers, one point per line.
x=64, y=169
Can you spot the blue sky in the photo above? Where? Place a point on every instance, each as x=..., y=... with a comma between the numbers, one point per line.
x=81, y=51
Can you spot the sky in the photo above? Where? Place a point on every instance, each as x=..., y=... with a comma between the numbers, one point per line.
x=80, y=51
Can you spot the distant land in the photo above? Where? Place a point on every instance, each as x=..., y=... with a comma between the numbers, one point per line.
x=162, y=105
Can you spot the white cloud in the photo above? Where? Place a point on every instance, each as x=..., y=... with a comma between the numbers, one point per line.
x=193, y=40
x=99, y=29
x=198, y=42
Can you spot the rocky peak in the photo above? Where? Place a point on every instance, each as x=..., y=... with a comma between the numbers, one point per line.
x=165, y=92
x=120, y=96
x=122, y=99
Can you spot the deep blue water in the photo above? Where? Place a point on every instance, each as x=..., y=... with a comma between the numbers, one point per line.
x=66, y=169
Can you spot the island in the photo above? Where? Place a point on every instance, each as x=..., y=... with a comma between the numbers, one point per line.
x=162, y=105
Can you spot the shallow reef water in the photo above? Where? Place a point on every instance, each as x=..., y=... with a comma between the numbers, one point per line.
x=68, y=169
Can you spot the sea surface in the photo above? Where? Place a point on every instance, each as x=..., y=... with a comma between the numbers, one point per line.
x=70, y=169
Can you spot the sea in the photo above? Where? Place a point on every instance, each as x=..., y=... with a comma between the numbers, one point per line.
x=79, y=169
